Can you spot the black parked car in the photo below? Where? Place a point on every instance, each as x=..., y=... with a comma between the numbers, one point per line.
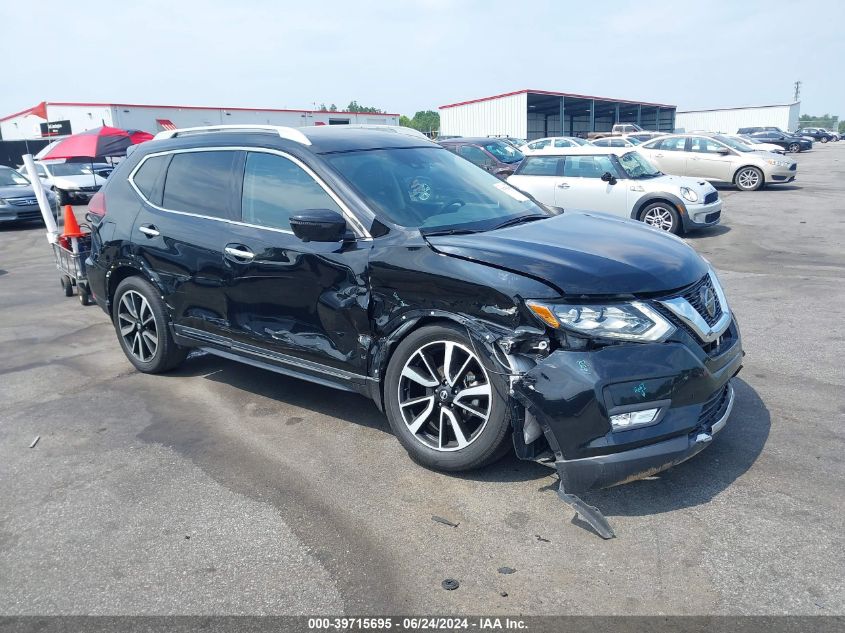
x=788, y=142
x=817, y=133
x=479, y=321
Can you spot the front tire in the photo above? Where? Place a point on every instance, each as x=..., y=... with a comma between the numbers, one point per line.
x=824, y=139
x=446, y=401
x=142, y=327
x=794, y=148
x=748, y=179
x=662, y=216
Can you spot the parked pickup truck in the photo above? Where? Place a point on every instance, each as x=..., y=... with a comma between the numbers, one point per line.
x=625, y=129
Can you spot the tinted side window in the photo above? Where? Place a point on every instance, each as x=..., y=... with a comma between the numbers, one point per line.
x=201, y=182
x=147, y=178
x=587, y=166
x=275, y=188
x=562, y=142
x=474, y=154
x=540, y=166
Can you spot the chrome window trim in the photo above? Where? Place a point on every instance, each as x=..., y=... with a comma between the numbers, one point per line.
x=357, y=225
x=681, y=308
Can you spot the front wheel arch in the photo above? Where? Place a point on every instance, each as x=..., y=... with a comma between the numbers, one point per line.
x=760, y=171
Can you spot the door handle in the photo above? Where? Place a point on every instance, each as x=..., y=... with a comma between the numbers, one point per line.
x=239, y=253
x=563, y=185
x=658, y=155
x=149, y=230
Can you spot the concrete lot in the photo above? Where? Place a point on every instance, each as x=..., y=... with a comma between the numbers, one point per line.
x=226, y=489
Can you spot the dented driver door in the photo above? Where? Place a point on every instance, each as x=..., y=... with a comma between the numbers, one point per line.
x=286, y=297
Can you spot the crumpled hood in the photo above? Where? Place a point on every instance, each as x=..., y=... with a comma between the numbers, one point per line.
x=584, y=254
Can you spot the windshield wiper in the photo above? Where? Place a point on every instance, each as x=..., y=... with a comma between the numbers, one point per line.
x=519, y=220
x=434, y=232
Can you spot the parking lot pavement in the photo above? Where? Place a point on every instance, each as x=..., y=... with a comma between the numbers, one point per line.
x=225, y=489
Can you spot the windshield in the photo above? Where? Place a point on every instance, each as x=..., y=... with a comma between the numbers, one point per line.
x=637, y=167
x=505, y=152
x=69, y=169
x=432, y=189
x=10, y=178
x=734, y=144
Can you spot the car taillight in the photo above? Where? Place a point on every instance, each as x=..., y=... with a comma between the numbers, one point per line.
x=97, y=205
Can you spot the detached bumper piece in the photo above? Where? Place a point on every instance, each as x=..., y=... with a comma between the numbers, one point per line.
x=619, y=468
x=580, y=399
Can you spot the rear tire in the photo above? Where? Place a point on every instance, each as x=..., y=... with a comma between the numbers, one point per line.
x=794, y=148
x=748, y=179
x=143, y=327
x=439, y=427
x=824, y=139
x=662, y=216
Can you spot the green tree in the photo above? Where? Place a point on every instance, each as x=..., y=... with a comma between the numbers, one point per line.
x=827, y=121
x=355, y=107
x=842, y=127
x=323, y=107
x=426, y=121
x=332, y=108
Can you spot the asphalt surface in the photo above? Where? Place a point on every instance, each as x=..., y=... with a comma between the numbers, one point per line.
x=223, y=489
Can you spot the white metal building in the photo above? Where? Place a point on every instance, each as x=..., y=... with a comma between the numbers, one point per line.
x=534, y=114
x=57, y=119
x=729, y=120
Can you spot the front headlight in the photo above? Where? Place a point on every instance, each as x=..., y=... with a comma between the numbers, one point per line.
x=778, y=163
x=689, y=194
x=629, y=321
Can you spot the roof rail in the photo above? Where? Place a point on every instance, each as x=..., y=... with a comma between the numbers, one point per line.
x=396, y=129
x=289, y=133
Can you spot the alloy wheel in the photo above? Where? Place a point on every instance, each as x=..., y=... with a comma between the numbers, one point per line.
x=748, y=178
x=138, y=326
x=794, y=147
x=659, y=218
x=445, y=395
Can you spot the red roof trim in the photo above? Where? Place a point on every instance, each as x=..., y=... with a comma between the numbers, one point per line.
x=554, y=94
x=184, y=107
x=21, y=113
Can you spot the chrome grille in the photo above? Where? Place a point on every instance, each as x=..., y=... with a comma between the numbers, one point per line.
x=693, y=296
x=22, y=202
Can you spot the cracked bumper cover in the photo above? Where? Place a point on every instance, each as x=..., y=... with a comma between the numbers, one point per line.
x=573, y=394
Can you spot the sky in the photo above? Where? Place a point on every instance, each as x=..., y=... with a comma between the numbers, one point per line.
x=410, y=55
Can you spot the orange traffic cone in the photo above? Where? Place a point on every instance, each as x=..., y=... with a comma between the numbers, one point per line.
x=71, y=225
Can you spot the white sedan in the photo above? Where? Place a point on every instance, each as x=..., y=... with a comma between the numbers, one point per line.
x=551, y=144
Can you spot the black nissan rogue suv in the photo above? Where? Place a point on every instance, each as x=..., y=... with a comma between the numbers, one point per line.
x=375, y=261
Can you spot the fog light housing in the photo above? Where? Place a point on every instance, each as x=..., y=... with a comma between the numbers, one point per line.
x=633, y=419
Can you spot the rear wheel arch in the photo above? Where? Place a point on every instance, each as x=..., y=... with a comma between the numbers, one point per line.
x=121, y=272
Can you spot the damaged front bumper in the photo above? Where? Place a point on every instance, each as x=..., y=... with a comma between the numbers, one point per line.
x=572, y=396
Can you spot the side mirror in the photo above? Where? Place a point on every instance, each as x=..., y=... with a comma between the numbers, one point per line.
x=318, y=225
x=723, y=151
x=608, y=178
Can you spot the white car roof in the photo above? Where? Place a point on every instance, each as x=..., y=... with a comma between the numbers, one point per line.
x=585, y=150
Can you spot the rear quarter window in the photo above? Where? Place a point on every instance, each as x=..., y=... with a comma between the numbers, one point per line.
x=148, y=178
